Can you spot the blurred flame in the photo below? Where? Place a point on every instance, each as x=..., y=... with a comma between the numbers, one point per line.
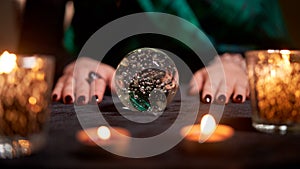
x=285, y=52
x=208, y=124
x=207, y=127
x=273, y=73
x=7, y=62
x=32, y=100
x=103, y=132
x=286, y=58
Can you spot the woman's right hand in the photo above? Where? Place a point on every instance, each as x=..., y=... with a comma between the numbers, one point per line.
x=73, y=86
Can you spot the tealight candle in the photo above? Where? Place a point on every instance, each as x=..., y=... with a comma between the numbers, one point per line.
x=208, y=131
x=205, y=132
x=109, y=138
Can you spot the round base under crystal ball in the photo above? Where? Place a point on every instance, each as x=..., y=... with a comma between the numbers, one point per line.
x=146, y=80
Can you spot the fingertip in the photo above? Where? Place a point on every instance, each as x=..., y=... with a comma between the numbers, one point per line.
x=81, y=100
x=99, y=89
x=221, y=99
x=94, y=99
x=68, y=99
x=238, y=99
x=54, y=97
x=100, y=98
x=207, y=99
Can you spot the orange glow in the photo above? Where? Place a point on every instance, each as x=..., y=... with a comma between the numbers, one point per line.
x=103, y=136
x=207, y=131
x=7, y=62
x=32, y=100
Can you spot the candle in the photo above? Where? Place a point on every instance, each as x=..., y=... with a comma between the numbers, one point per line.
x=274, y=81
x=25, y=89
x=207, y=131
x=113, y=139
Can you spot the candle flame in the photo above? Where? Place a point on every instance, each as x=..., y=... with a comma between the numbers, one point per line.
x=286, y=58
x=273, y=73
x=285, y=52
x=103, y=132
x=7, y=62
x=208, y=124
x=207, y=127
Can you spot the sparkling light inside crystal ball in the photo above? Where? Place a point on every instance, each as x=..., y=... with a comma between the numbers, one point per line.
x=146, y=80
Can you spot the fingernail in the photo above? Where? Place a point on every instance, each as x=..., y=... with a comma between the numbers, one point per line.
x=207, y=99
x=80, y=100
x=68, y=99
x=95, y=99
x=221, y=99
x=238, y=99
x=54, y=97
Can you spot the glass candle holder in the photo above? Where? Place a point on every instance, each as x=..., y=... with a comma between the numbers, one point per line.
x=146, y=80
x=26, y=82
x=274, y=77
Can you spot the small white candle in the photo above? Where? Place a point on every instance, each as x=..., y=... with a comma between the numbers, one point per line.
x=207, y=131
x=113, y=139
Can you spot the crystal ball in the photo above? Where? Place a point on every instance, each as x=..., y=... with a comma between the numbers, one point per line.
x=146, y=80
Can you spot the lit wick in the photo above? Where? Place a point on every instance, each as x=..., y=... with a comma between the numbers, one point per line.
x=207, y=131
x=7, y=62
x=207, y=127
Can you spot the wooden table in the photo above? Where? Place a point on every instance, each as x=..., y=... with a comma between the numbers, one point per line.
x=247, y=148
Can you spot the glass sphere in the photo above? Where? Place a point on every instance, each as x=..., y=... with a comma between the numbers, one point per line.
x=146, y=80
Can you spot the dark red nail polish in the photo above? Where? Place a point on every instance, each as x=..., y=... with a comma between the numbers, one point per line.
x=207, y=99
x=94, y=99
x=80, y=100
x=54, y=97
x=68, y=99
x=221, y=99
x=238, y=99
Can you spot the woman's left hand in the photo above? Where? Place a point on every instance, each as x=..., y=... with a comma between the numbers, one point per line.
x=225, y=78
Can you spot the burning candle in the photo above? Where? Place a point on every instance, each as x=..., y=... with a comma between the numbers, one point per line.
x=274, y=82
x=7, y=62
x=103, y=133
x=25, y=89
x=109, y=138
x=207, y=131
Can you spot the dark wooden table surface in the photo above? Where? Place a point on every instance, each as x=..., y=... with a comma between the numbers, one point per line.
x=247, y=148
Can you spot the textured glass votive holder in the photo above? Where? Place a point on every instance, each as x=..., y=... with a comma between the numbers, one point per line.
x=274, y=77
x=26, y=82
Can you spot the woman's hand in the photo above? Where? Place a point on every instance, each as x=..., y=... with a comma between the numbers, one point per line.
x=226, y=77
x=74, y=86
